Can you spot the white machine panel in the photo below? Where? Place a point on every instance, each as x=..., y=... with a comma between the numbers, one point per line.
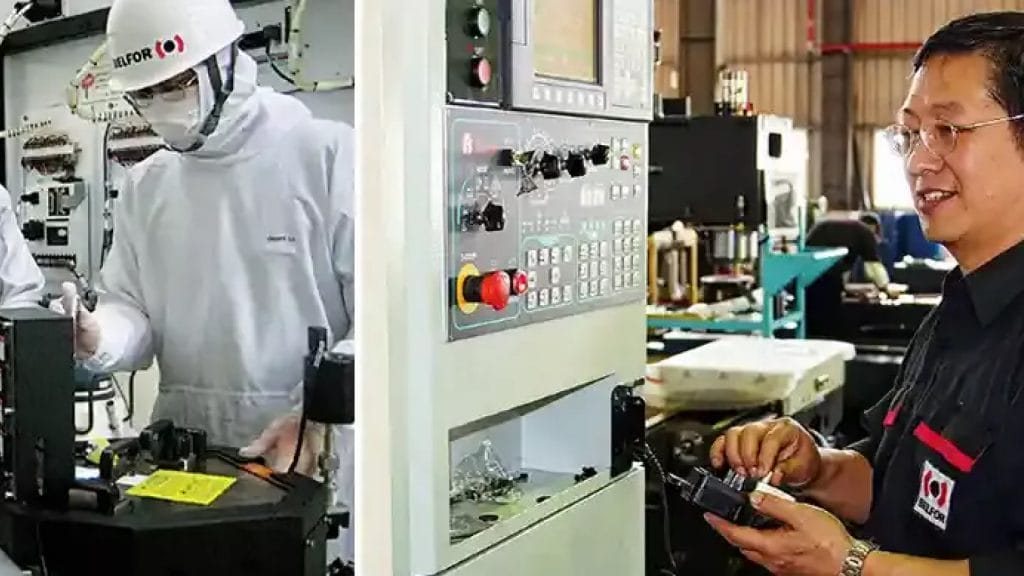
x=606, y=522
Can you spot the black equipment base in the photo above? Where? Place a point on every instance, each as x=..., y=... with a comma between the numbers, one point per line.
x=261, y=526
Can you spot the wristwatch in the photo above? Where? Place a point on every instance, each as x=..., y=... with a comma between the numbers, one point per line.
x=853, y=565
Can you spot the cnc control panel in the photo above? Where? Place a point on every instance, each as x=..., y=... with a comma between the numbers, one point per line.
x=546, y=217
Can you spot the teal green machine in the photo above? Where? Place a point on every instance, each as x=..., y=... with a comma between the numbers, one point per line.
x=782, y=276
x=739, y=183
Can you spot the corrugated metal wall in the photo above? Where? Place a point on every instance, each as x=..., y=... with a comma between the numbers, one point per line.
x=769, y=39
x=881, y=77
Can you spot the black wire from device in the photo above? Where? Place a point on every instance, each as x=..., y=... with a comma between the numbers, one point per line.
x=298, y=443
x=120, y=390
x=273, y=66
x=650, y=457
x=105, y=248
x=344, y=307
x=130, y=408
x=39, y=546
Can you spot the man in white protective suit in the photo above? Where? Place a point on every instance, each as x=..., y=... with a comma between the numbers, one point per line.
x=21, y=281
x=227, y=246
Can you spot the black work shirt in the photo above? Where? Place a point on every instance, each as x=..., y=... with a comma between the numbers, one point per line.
x=824, y=297
x=947, y=443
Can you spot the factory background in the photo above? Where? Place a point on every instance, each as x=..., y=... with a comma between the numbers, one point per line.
x=848, y=58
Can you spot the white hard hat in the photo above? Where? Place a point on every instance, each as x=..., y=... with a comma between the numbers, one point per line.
x=151, y=42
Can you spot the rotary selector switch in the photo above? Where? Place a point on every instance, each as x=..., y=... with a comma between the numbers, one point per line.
x=600, y=154
x=493, y=217
x=488, y=213
x=576, y=165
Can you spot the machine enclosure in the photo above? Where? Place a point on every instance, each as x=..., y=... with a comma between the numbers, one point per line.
x=39, y=419
x=688, y=182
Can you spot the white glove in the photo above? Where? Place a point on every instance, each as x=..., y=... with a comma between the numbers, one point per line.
x=277, y=445
x=87, y=328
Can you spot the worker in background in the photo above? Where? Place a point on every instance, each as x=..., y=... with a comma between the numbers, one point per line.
x=229, y=244
x=936, y=487
x=21, y=281
x=824, y=297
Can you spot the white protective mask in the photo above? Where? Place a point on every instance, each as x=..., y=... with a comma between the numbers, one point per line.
x=178, y=123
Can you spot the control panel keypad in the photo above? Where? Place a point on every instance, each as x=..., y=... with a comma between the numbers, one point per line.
x=551, y=272
x=629, y=251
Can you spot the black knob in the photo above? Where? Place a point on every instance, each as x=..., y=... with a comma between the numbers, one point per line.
x=550, y=166
x=493, y=217
x=507, y=157
x=576, y=165
x=33, y=230
x=479, y=22
x=32, y=198
x=600, y=154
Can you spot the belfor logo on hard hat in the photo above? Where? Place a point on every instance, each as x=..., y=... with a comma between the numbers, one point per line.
x=162, y=48
x=167, y=47
x=133, y=57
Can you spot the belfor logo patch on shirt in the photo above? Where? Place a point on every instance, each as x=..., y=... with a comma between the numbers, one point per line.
x=935, y=497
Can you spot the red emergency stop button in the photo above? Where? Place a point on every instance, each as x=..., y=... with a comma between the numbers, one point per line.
x=493, y=289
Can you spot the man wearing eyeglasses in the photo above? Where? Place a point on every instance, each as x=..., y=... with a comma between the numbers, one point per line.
x=936, y=489
x=228, y=245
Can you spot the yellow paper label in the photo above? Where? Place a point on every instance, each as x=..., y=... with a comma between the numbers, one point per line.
x=184, y=487
x=98, y=444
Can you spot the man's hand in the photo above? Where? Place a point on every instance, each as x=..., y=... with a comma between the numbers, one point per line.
x=812, y=542
x=780, y=446
x=277, y=445
x=87, y=328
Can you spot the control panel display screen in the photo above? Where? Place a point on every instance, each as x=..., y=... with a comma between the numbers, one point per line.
x=565, y=39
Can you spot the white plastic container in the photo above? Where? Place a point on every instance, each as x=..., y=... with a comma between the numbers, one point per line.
x=740, y=373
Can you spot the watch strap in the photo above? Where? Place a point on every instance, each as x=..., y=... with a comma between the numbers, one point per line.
x=853, y=564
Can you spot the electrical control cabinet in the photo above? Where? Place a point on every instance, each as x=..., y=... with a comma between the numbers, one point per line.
x=526, y=241
x=59, y=209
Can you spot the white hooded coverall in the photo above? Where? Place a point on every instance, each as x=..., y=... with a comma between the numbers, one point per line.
x=21, y=281
x=224, y=257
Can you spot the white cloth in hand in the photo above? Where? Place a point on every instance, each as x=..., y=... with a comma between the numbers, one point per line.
x=277, y=444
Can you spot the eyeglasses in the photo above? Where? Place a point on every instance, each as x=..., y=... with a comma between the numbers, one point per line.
x=940, y=139
x=172, y=90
